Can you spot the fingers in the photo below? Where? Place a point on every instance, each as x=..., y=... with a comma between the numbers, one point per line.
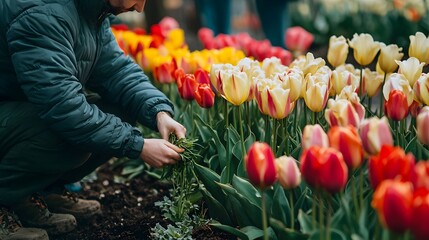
x=174, y=147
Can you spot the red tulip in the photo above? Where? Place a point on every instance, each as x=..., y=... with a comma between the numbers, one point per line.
x=347, y=141
x=396, y=108
x=164, y=73
x=324, y=168
x=202, y=76
x=422, y=175
x=187, y=85
x=298, y=40
x=260, y=165
x=393, y=201
x=390, y=163
x=419, y=226
x=204, y=95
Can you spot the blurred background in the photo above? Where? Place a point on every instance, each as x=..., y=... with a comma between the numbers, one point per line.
x=388, y=21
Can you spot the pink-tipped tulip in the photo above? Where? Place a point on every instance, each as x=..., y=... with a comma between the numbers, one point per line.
x=423, y=126
x=375, y=133
x=288, y=172
x=260, y=165
x=298, y=40
x=314, y=135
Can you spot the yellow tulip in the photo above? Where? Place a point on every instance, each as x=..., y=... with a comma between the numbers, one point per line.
x=236, y=86
x=341, y=78
x=388, y=55
x=337, y=51
x=364, y=48
x=272, y=65
x=308, y=64
x=276, y=100
x=397, y=81
x=419, y=47
x=316, y=95
x=292, y=79
x=372, y=82
x=216, y=72
x=421, y=89
x=411, y=68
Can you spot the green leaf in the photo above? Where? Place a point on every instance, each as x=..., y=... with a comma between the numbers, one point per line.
x=306, y=222
x=246, y=233
x=286, y=233
x=216, y=209
x=280, y=208
x=245, y=188
x=334, y=233
x=209, y=179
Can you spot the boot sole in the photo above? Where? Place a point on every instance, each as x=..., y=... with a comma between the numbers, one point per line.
x=62, y=227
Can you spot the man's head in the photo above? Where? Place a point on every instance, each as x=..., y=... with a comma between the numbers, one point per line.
x=121, y=6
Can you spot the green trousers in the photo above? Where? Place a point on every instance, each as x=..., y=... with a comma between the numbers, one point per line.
x=34, y=158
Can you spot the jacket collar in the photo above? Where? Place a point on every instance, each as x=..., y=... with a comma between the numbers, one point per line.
x=93, y=10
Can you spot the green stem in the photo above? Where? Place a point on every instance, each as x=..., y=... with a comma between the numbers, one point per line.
x=313, y=211
x=241, y=131
x=361, y=188
x=321, y=214
x=284, y=135
x=328, y=217
x=361, y=83
x=264, y=217
x=226, y=112
x=274, y=139
x=292, y=209
x=380, y=114
x=354, y=196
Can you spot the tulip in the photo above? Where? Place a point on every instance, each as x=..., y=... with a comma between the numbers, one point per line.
x=236, y=86
x=421, y=89
x=337, y=51
x=298, y=40
x=372, y=82
x=423, y=126
x=341, y=78
x=375, y=133
x=341, y=112
x=390, y=163
x=274, y=101
x=388, y=55
x=186, y=85
x=260, y=165
x=393, y=201
x=314, y=135
x=347, y=141
x=422, y=175
x=415, y=109
x=204, y=96
x=167, y=24
x=164, y=73
x=364, y=48
x=397, y=81
x=419, y=227
x=324, y=168
x=272, y=66
x=308, y=64
x=202, y=76
x=288, y=172
x=216, y=75
x=316, y=95
x=411, y=68
x=396, y=107
x=419, y=47
x=292, y=79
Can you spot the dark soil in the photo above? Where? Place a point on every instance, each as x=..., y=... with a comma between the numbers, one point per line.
x=128, y=210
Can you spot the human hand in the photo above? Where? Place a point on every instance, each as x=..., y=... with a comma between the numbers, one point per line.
x=166, y=125
x=159, y=152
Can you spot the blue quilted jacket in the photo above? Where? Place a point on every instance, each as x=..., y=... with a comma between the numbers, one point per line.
x=50, y=50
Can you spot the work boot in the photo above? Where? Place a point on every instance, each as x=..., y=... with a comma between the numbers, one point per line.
x=11, y=228
x=70, y=203
x=34, y=213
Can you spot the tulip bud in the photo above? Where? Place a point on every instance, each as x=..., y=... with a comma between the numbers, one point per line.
x=388, y=55
x=341, y=78
x=372, y=82
x=288, y=172
x=411, y=68
x=364, y=48
x=298, y=40
x=423, y=126
x=337, y=51
x=316, y=95
x=347, y=141
x=164, y=73
x=186, y=85
x=421, y=89
x=419, y=227
x=396, y=81
x=341, y=112
x=202, y=76
x=396, y=107
x=324, y=168
x=375, y=133
x=204, y=96
x=236, y=86
x=314, y=135
x=260, y=165
x=390, y=163
x=393, y=201
x=422, y=175
x=419, y=47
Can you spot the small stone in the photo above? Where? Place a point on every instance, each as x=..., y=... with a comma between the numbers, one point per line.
x=106, y=183
x=102, y=195
x=139, y=199
x=117, y=191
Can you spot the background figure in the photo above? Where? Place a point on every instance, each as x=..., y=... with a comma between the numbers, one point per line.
x=274, y=18
x=215, y=15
